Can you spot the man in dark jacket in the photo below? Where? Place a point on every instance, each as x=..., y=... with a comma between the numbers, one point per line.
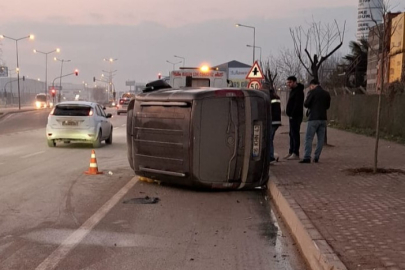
x=317, y=102
x=295, y=112
x=275, y=117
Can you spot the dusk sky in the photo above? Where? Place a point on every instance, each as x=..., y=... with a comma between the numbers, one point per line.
x=142, y=35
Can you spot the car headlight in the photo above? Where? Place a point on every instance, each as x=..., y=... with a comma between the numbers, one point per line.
x=38, y=104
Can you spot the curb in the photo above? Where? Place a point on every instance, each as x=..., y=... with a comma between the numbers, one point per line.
x=314, y=248
x=17, y=111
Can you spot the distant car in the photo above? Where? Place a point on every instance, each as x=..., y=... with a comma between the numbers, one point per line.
x=79, y=121
x=122, y=105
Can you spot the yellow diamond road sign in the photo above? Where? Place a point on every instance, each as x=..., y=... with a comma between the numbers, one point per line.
x=255, y=72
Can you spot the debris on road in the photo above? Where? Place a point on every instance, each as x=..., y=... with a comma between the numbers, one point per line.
x=144, y=200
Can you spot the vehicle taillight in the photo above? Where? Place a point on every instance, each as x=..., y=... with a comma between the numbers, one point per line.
x=229, y=93
x=121, y=101
x=51, y=113
x=91, y=112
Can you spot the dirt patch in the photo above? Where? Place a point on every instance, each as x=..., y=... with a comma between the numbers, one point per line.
x=367, y=170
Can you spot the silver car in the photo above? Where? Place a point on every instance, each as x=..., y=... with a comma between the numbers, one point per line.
x=79, y=121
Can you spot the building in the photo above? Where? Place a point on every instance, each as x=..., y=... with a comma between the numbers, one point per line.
x=368, y=12
x=397, y=50
x=376, y=47
x=236, y=73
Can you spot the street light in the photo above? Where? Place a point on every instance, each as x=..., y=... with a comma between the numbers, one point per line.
x=46, y=65
x=61, y=68
x=110, y=76
x=184, y=59
x=174, y=64
x=254, y=37
x=257, y=47
x=31, y=37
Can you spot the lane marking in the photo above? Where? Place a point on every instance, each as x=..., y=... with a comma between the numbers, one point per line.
x=123, y=125
x=77, y=236
x=33, y=154
x=116, y=128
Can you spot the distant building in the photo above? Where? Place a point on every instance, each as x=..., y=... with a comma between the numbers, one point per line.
x=369, y=12
x=375, y=53
x=396, y=65
x=236, y=73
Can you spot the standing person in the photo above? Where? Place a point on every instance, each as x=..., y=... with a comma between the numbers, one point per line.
x=275, y=121
x=295, y=113
x=317, y=102
x=275, y=107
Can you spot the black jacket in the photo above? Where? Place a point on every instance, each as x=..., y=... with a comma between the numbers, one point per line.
x=317, y=102
x=275, y=110
x=295, y=104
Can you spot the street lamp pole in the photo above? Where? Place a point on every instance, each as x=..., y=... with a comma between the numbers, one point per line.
x=18, y=67
x=257, y=47
x=174, y=64
x=60, y=80
x=254, y=37
x=46, y=65
x=184, y=59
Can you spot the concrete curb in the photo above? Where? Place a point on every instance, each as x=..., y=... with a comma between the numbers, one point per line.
x=314, y=248
x=17, y=111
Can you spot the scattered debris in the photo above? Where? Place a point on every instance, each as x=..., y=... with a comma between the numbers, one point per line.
x=110, y=172
x=237, y=201
x=144, y=200
x=367, y=170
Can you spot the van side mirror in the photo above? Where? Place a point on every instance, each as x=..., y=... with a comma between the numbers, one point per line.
x=109, y=115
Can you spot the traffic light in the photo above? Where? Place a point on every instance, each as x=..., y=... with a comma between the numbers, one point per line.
x=159, y=76
x=53, y=92
x=76, y=72
x=94, y=79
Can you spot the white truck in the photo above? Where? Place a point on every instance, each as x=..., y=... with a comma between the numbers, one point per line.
x=197, y=77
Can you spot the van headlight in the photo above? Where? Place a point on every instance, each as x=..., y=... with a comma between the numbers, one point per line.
x=38, y=104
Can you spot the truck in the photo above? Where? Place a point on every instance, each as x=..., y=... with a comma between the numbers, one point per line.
x=198, y=77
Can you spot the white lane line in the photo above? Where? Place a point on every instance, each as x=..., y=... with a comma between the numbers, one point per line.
x=33, y=154
x=77, y=236
x=123, y=125
x=116, y=128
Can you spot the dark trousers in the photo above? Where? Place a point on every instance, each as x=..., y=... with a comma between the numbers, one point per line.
x=295, y=126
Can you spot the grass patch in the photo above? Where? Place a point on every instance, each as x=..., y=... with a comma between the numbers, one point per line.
x=368, y=132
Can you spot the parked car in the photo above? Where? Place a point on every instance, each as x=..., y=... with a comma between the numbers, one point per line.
x=79, y=121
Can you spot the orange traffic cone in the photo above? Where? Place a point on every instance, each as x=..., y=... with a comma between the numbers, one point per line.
x=93, y=169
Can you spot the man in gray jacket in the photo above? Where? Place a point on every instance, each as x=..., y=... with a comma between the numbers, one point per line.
x=317, y=102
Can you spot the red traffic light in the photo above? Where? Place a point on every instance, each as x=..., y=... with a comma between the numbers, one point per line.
x=159, y=76
x=76, y=72
x=53, y=92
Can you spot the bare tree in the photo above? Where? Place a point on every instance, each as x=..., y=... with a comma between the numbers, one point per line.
x=319, y=40
x=383, y=32
x=289, y=65
x=270, y=73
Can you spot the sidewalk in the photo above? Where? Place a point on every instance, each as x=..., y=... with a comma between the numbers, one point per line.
x=360, y=219
x=7, y=110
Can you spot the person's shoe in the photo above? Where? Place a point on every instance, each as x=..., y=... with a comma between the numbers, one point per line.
x=273, y=160
x=287, y=156
x=293, y=157
x=305, y=160
x=316, y=160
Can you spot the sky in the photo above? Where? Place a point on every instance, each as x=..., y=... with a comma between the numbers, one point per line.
x=144, y=35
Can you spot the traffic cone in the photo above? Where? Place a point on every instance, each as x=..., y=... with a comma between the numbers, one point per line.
x=93, y=169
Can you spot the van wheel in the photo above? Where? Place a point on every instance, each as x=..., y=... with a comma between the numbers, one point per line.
x=118, y=113
x=109, y=140
x=51, y=143
x=97, y=142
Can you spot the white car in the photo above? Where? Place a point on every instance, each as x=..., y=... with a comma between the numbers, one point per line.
x=79, y=121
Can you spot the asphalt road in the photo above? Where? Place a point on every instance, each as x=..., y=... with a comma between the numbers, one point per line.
x=53, y=216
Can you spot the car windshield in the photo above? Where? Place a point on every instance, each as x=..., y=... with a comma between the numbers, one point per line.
x=72, y=110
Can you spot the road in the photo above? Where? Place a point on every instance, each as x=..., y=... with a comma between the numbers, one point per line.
x=53, y=216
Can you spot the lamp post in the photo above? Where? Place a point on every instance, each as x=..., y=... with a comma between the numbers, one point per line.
x=174, y=64
x=257, y=47
x=61, y=68
x=46, y=65
x=31, y=37
x=110, y=76
x=183, y=58
x=254, y=37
